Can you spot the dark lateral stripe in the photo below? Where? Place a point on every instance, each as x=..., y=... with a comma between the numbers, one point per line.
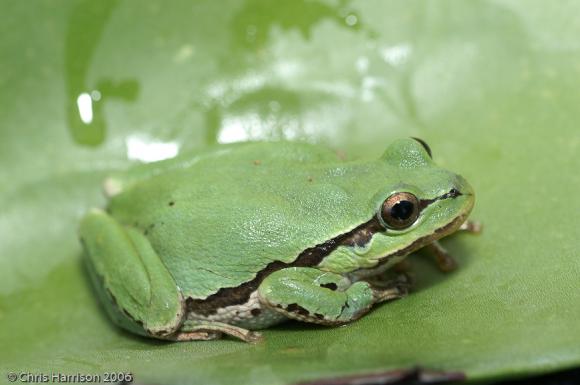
x=359, y=236
x=240, y=294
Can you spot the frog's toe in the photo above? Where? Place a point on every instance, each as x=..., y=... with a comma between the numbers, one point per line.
x=254, y=337
x=472, y=227
x=398, y=288
x=445, y=261
x=209, y=330
x=196, y=336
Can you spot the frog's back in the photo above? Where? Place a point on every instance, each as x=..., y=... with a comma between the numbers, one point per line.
x=217, y=220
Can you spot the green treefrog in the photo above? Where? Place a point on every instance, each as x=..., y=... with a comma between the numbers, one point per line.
x=244, y=236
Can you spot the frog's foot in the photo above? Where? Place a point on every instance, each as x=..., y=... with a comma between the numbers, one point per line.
x=209, y=330
x=393, y=289
x=445, y=262
x=472, y=227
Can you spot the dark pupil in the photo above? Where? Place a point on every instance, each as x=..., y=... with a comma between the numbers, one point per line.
x=402, y=210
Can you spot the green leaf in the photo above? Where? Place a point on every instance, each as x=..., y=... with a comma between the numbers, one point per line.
x=492, y=86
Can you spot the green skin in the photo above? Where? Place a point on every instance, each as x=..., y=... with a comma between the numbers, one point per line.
x=245, y=236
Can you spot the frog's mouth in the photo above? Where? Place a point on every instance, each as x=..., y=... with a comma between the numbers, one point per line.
x=395, y=256
x=421, y=242
x=381, y=260
x=362, y=235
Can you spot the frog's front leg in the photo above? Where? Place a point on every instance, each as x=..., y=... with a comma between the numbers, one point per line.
x=445, y=261
x=310, y=295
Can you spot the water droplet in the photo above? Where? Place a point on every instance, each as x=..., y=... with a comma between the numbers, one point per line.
x=96, y=95
x=362, y=64
x=351, y=20
x=184, y=53
x=396, y=54
x=274, y=106
x=147, y=150
x=85, y=106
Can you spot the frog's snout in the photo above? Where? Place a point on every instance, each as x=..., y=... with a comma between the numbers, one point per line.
x=462, y=186
x=467, y=194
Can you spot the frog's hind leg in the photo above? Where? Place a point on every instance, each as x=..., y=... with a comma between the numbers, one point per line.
x=135, y=287
x=209, y=330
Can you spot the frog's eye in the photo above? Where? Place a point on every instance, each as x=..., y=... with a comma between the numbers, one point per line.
x=400, y=210
x=425, y=146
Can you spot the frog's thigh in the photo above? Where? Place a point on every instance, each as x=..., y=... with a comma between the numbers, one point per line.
x=136, y=288
x=311, y=295
x=209, y=330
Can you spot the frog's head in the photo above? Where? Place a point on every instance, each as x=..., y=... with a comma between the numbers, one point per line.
x=426, y=198
x=421, y=203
